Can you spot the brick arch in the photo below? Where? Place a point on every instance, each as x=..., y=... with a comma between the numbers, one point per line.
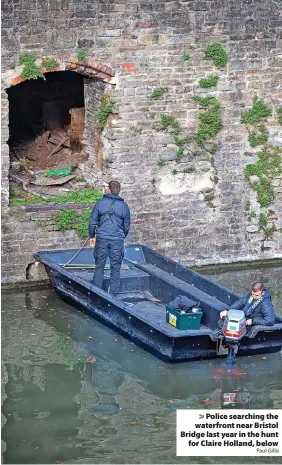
x=89, y=68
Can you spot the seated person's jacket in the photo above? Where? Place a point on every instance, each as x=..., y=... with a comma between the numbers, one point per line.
x=181, y=302
x=261, y=312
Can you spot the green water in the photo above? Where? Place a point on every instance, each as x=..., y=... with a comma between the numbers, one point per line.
x=76, y=392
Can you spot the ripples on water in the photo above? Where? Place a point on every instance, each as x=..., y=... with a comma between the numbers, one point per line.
x=79, y=393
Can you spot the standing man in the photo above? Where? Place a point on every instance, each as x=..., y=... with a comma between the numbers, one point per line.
x=108, y=227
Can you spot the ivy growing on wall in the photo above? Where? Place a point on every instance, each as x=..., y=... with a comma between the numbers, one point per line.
x=171, y=124
x=268, y=164
x=254, y=118
x=210, y=121
x=263, y=226
x=267, y=167
x=257, y=113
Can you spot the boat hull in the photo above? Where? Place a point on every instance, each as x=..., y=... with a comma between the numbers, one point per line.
x=168, y=347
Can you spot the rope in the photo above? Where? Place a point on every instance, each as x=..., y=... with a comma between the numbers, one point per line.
x=76, y=253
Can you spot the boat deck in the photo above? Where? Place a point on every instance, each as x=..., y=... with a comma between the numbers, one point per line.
x=134, y=292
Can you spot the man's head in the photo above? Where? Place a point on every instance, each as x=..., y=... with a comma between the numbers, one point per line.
x=114, y=187
x=257, y=290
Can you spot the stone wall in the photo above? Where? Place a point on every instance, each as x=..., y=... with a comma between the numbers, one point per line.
x=25, y=232
x=196, y=208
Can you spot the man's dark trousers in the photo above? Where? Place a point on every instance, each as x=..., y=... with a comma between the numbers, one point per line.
x=115, y=250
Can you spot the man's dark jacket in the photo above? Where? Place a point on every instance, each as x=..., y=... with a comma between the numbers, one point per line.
x=263, y=314
x=110, y=218
x=181, y=302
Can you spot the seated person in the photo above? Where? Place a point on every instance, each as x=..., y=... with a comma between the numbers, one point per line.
x=182, y=303
x=256, y=305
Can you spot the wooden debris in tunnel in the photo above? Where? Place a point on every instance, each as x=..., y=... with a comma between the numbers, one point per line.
x=56, y=139
x=43, y=181
x=59, y=146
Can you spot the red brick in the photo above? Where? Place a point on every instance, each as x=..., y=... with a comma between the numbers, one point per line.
x=91, y=70
x=130, y=68
x=127, y=65
x=17, y=80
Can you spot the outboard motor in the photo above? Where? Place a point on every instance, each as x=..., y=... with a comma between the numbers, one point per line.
x=234, y=329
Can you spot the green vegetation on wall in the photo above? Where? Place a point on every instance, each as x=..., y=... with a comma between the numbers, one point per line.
x=160, y=163
x=49, y=63
x=257, y=113
x=279, y=112
x=77, y=196
x=268, y=231
x=217, y=53
x=103, y=112
x=266, y=168
x=172, y=125
x=256, y=139
x=31, y=70
x=210, y=122
x=65, y=219
x=268, y=164
x=82, y=223
x=209, y=81
x=157, y=93
x=81, y=55
x=254, y=119
x=69, y=219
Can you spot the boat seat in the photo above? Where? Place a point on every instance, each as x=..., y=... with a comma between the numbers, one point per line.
x=154, y=314
x=210, y=305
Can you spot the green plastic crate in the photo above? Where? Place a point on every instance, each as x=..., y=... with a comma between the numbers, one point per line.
x=183, y=320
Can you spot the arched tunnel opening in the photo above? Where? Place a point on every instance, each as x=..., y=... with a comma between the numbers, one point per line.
x=46, y=126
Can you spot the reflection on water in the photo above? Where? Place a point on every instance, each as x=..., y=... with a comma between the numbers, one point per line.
x=79, y=393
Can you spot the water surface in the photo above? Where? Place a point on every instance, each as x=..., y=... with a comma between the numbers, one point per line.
x=77, y=392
